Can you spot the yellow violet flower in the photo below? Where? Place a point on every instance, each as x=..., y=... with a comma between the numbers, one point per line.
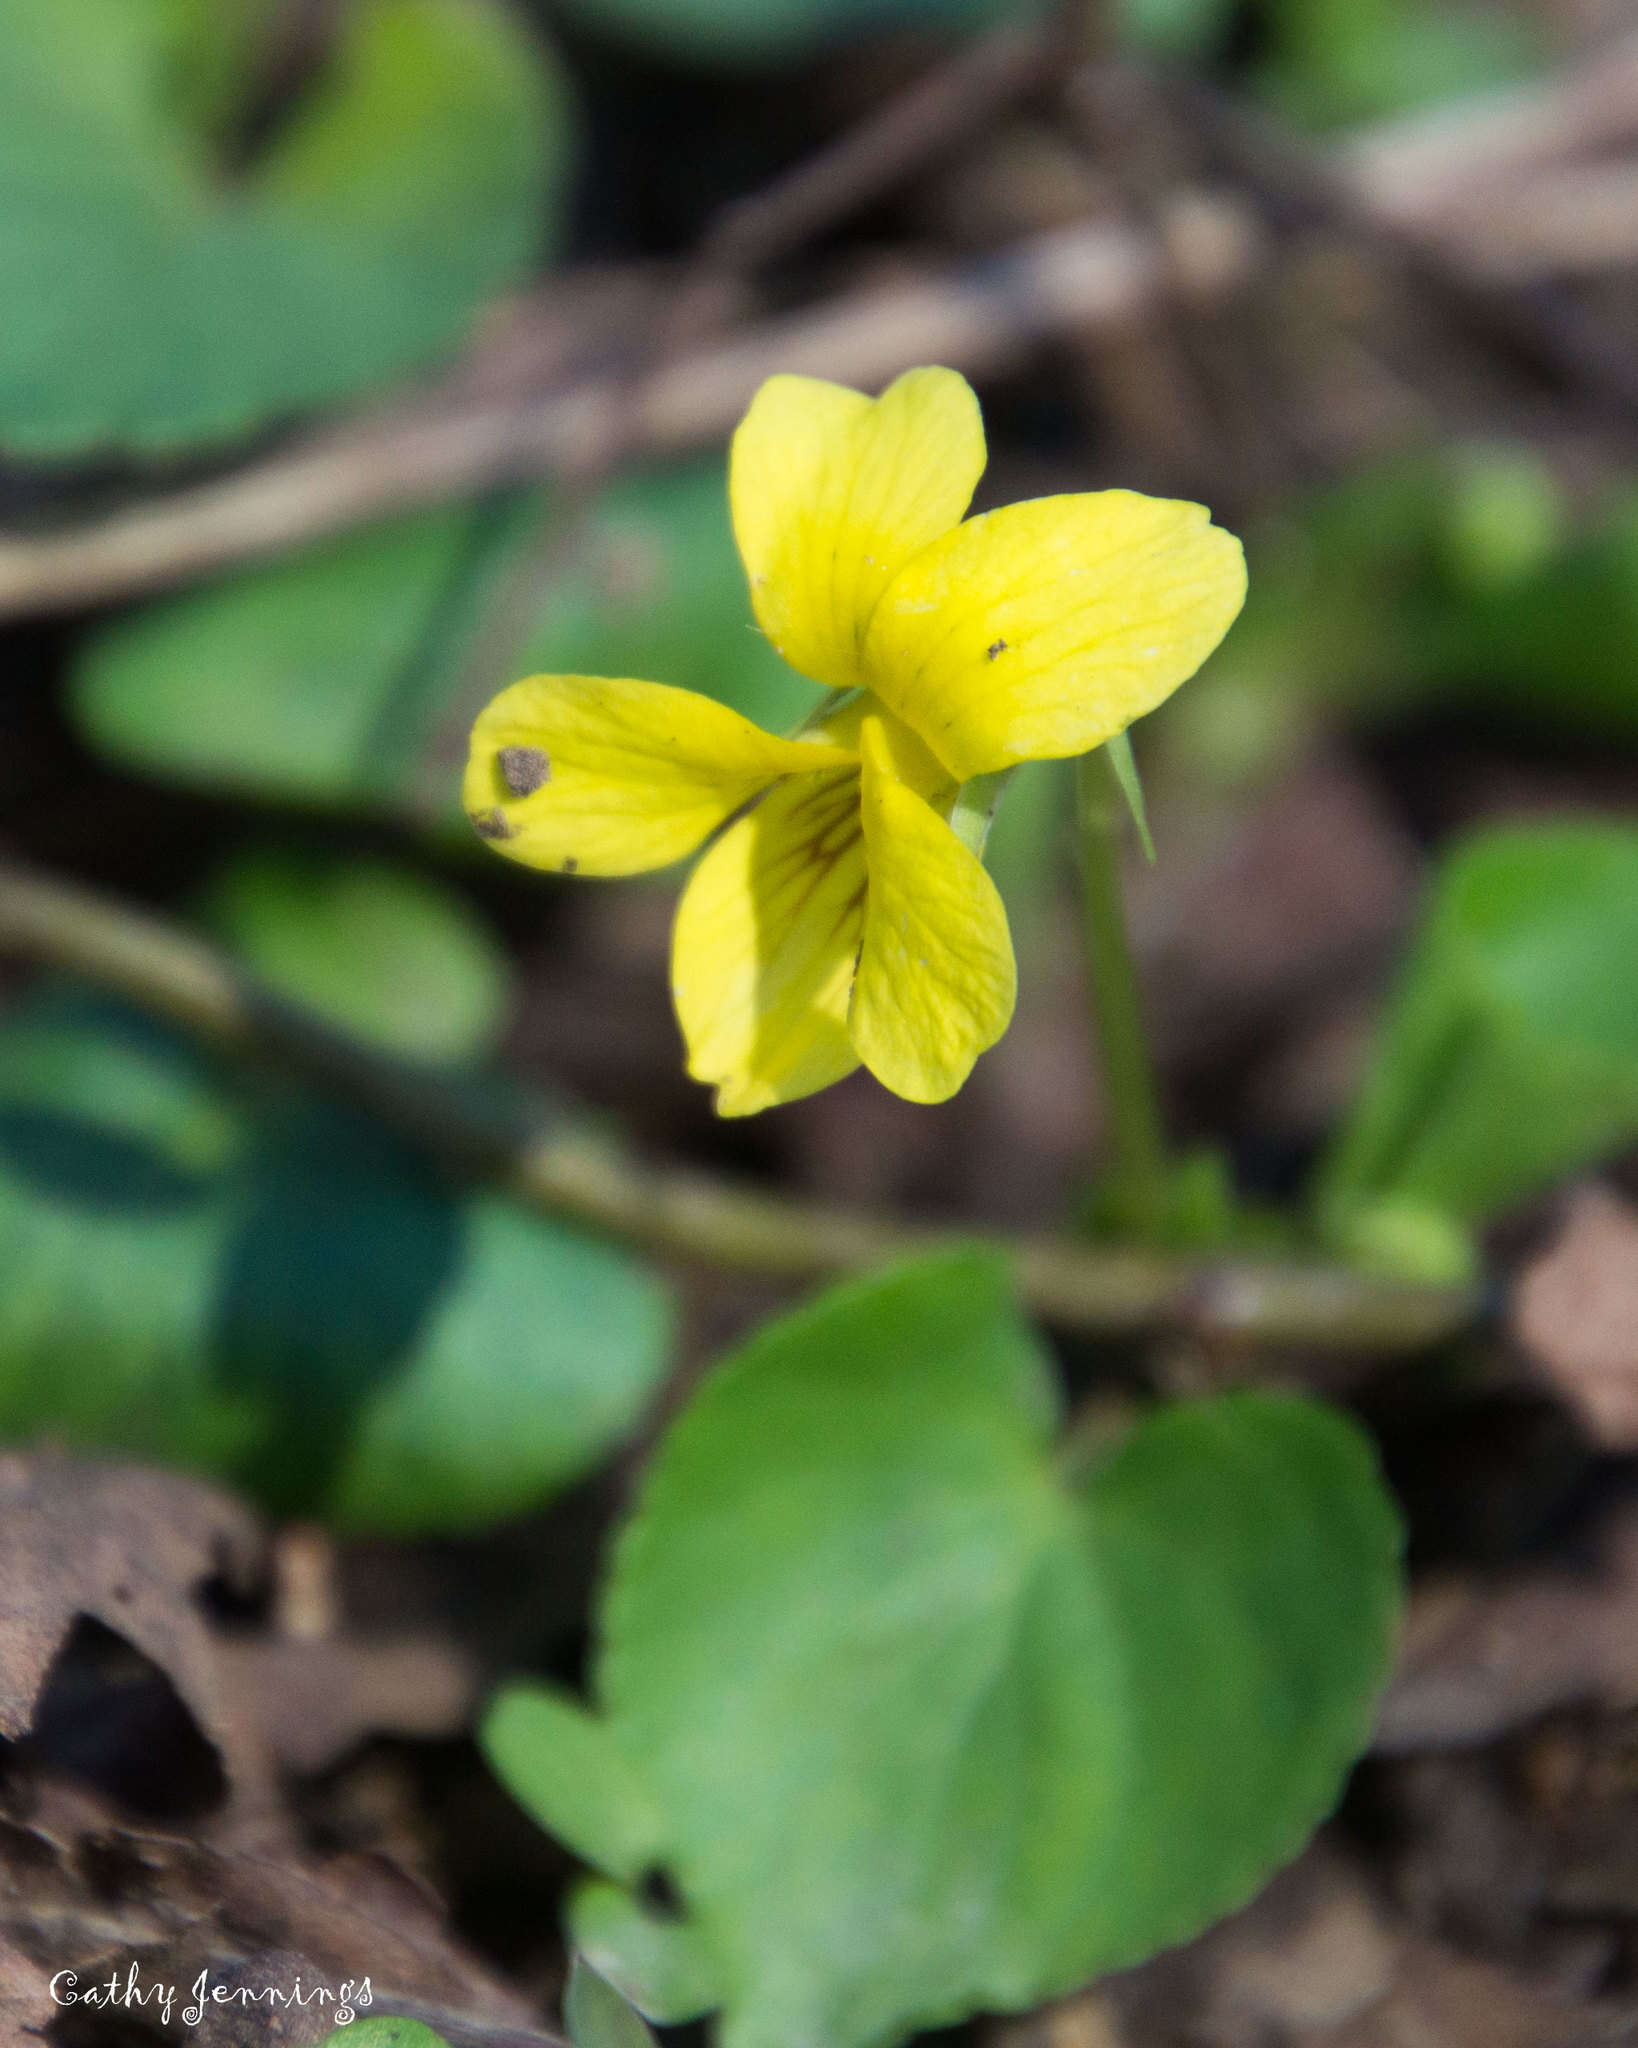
x=841, y=918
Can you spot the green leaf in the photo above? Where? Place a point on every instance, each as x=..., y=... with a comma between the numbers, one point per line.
x=320, y=678
x=938, y=1725
x=660, y=1964
x=597, y=2016
x=1124, y=763
x=744, y=32
x=157, y=299
x=392, y=956
x=277, y=1292
x=563, y=1765
x=1510, y=1057
x=346, y=660
x=1334, y=61
x=1176, y=29
x=385, y=2031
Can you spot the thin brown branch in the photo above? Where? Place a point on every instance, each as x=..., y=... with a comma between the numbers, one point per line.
x=1410, y=181
x=690, y=1216
x=937, y=114
x=979, y=319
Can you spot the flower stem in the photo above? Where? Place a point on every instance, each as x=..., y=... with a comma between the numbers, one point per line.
x=1127, y=1071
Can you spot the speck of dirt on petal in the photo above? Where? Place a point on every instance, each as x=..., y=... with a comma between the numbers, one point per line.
x=524, y=769
x=490, y=825
x=995, y=647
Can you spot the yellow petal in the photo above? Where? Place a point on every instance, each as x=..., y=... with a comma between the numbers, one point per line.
x=610, y=777
x=936, y=978
x=832, y=492
x=766, y=940
x=1045, y=628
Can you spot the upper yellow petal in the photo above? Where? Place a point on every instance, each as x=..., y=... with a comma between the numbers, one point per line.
x=832, y=492
x=765, y=944
x=936, y=979
x=610, y=776
x=1045, y=628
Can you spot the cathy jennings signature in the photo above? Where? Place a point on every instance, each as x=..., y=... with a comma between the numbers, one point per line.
x=130, y=1994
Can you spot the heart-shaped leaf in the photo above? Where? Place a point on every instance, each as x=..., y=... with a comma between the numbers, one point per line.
x=346, y=660
x=156, y=298
x=388, y=954
x=935, y=1721
x=1510, y=1056
x=276, y=1292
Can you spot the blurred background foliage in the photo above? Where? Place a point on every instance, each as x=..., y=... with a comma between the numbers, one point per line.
x=220, y=223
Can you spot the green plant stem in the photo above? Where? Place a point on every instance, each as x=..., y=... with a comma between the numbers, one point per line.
x=690, y=1216
x=1126, y=1070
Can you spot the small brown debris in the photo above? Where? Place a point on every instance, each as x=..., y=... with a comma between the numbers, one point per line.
x=1575, y=1312
x=1316, y=1961
x=82, y=1890
x=524, y=769
x=129, y=1548
x=490, y=825
x=995, y=647
x=1478, y=1661
x=26, y=2007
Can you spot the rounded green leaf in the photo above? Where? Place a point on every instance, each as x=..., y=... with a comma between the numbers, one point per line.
x=385, y=2030
x=157, y=299
x=935, y=1724
x=394, y=957
x=1510, y=1056
x=562, y=1764
x=331, y=676
x=279, y=1293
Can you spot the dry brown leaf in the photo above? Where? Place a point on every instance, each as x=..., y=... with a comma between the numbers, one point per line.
x=82, y=1890
x=130, y=1547
x=1575, y=1311
x=1477, y=1660
x=25, y=1995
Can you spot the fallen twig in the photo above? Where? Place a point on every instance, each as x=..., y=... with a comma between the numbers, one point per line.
x=478, y=431
x=450, y=445
x=692, y=1216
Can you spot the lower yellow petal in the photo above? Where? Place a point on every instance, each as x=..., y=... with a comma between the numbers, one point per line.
x=766, y=940
x=1045, y=628
x=936, y=979
x=606, y=776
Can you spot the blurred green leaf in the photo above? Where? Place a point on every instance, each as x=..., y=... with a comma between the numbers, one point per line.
x=564, y=1766
x=332, y=675
x=279, y=1293
x=660, y=1963
x=1557, y=648
x=937, y=1724
x=392, y=956
x=596, y=2015
x=157, y=299
x=385, y=2031
x=1510, y=1056
x=1445, y=580
x=765, y=32
x=1341, y=61
x=1176, y=29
